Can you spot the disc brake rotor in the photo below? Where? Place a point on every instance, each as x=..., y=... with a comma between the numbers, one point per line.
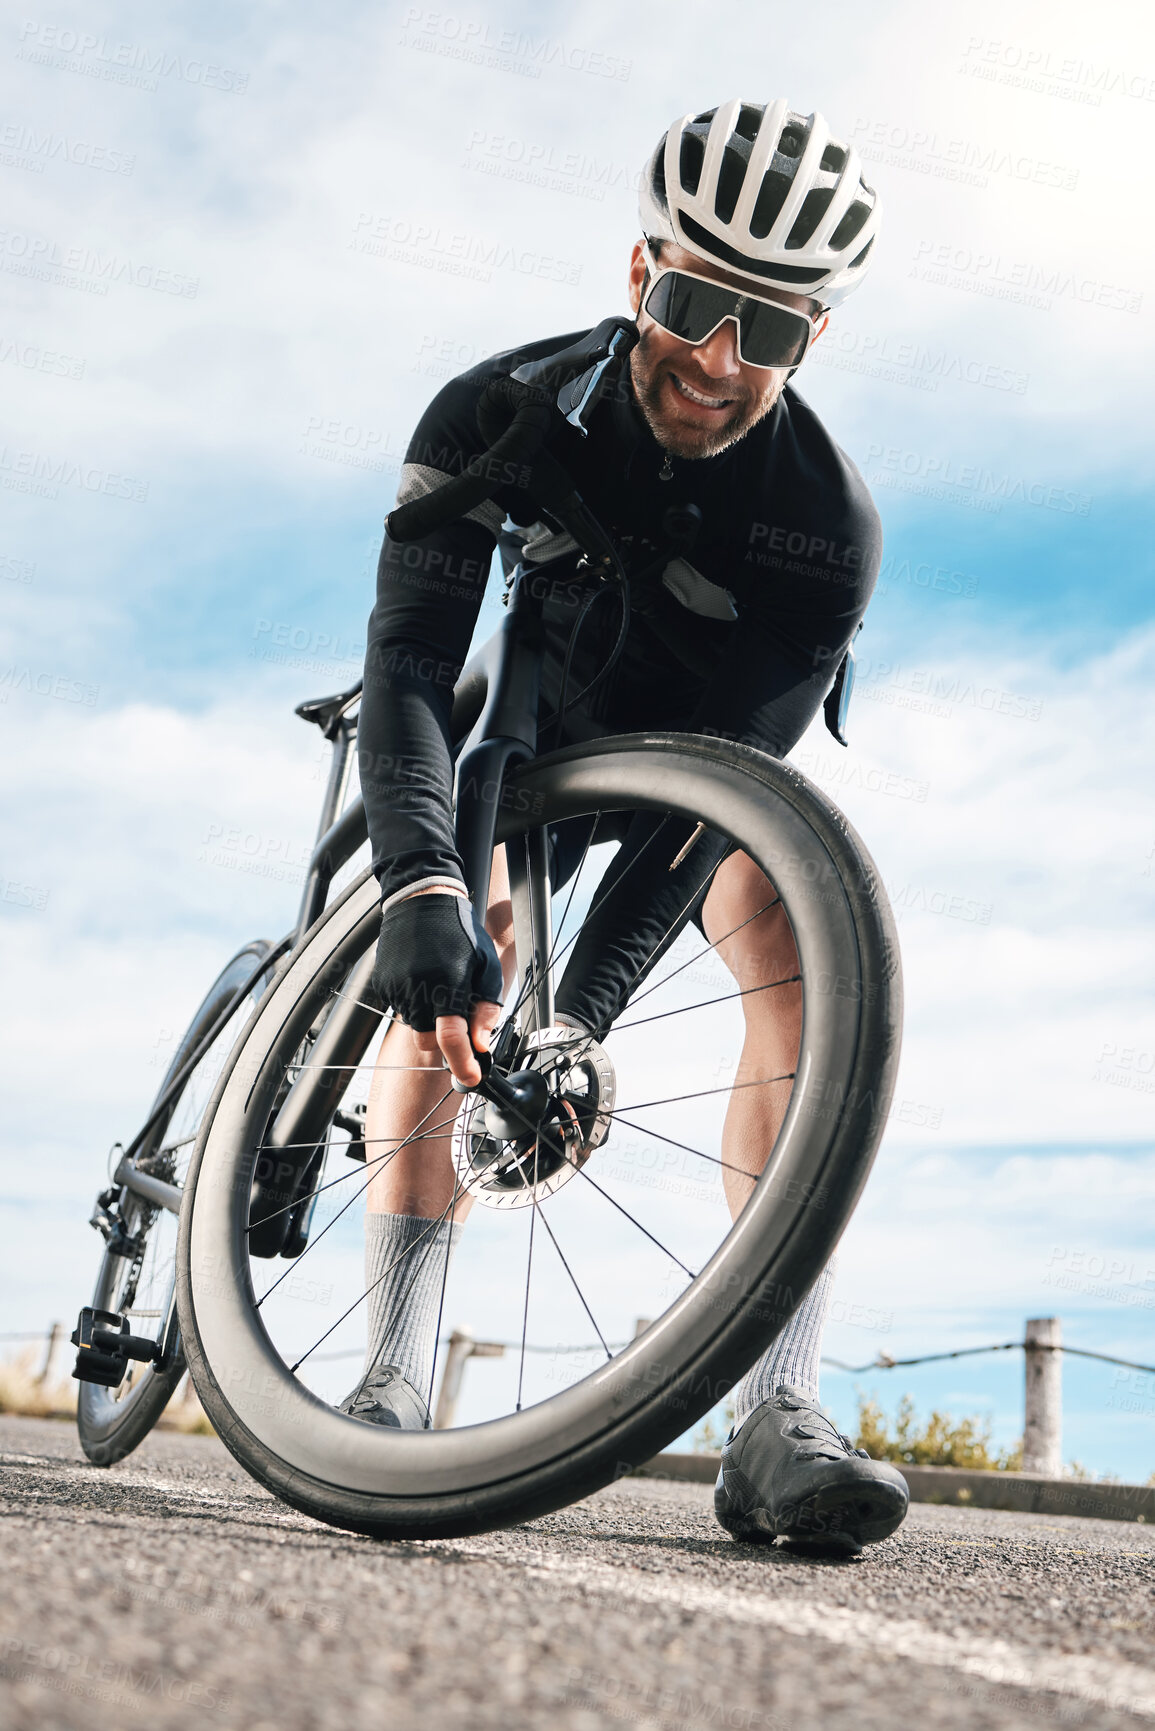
x=573, y=1119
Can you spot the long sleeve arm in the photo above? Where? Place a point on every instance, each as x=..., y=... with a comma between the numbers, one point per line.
x=429, y=594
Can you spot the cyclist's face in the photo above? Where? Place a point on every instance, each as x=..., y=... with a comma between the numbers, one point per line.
x=671, y=377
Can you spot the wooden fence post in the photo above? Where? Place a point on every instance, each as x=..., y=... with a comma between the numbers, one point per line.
x=54, y=1337
x=1043, y=1397
x=462, y=1347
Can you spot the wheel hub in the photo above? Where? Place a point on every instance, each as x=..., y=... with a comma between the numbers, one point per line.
x=510, y=1157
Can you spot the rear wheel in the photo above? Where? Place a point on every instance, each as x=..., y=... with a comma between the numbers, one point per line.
x=607, y=1209
x=137, y=1274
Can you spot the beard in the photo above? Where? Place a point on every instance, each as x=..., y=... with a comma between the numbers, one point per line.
x=648, y=373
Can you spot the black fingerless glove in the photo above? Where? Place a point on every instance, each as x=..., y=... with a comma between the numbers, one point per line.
x=434, y=958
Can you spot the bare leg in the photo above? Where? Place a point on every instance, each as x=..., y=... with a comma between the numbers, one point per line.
x=758, y=955
x=412, y=1087
x=762, y=953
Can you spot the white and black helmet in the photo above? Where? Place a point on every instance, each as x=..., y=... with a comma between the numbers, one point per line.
x=767, y=193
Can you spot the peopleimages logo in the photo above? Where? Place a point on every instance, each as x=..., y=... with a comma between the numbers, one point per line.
x=904, y=360
x=36, y=472
x=37, y=255
x=23, y=147
x=1021, y=281
x=927, y=152
x=1028, y=67
x=454, y=252
x=33, y=359
x=120, y=62
x=535, y=163
x=920, y=471
x=504, y=50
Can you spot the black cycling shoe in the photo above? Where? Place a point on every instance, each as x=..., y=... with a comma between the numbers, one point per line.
x=788, y=1474
x=384, y=1397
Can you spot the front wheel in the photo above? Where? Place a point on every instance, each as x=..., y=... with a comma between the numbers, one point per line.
x=605, y=1218
x=137, y=1271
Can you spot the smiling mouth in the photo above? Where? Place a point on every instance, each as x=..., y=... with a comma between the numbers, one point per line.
x=699, y=397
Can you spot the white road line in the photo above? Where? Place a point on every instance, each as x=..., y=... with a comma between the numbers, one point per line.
x=102, y=1479
x=1123, y=1687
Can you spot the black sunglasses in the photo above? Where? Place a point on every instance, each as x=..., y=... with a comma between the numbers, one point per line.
x=692, y=307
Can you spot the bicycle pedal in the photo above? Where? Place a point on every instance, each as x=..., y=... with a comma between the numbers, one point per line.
x=105, y=1347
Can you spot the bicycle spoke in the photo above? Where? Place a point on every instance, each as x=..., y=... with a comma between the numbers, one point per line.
x=697, y=956
x=351, y=1069
x=574, y=1284
x=528, y=1276
x=383, y=1161
x=706, y=1003
x=601, y=900
x=701, y=1093
x=174, y=1147
x=368, y=1142
x=401, y=1255
x=582, y=1173
x=714, y=1159
x=458, y=1192
x=436, y=1221
x=440, y=1314
x=413, y=1137
x=599, y=1033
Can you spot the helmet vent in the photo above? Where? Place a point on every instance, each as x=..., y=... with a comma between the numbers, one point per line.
x=748, y=121
x=730, y=178
x=792, y=142
x=771, y=198
x=690, y=161
x=833, y=159
x=851, y=225
x=814, y=208
x=658, y=174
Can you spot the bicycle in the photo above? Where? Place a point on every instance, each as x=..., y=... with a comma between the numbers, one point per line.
x=130, y=1359
x=565, y=1119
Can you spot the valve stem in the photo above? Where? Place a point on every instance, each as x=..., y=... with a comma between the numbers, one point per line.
x=682, y=852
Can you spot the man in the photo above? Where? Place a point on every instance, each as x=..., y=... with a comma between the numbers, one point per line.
x=755, y=222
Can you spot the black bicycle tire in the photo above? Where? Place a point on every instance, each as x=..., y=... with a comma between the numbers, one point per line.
x=866, y=998
x=109, y=1430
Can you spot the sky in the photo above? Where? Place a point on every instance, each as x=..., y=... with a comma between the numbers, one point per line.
x=239, y=251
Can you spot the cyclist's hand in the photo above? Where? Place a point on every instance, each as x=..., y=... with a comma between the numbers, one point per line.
x=459, y=1040
x=437, y=969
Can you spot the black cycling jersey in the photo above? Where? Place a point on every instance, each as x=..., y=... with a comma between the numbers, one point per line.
x=740, y=636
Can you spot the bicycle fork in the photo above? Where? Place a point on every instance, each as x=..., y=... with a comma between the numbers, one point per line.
x=504, y=734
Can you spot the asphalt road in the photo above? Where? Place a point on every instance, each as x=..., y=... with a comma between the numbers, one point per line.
x=172, y=1592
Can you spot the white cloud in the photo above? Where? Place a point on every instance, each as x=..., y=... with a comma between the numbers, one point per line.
x=260, y=196
x=1023, y=882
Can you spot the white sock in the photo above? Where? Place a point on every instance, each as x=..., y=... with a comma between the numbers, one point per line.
x=405, y=1263
x=793, y=1355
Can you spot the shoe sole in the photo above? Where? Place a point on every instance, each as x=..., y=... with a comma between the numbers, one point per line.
x=831, y=1521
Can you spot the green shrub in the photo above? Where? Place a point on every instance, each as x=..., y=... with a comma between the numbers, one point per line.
x=939, y=1441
